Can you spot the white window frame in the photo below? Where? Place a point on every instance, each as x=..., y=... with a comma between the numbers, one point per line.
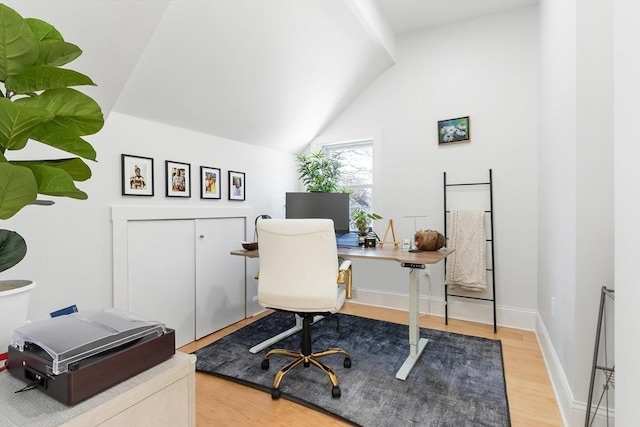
x=375, y=137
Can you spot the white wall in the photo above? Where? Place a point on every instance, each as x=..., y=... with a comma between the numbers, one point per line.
x=70, y=249
x=485, y=68
x=575, y=189
x=627, y=209
x=557, y=173
x=594, y=179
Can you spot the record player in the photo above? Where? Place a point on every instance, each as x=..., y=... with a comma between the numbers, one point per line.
x=76, y=356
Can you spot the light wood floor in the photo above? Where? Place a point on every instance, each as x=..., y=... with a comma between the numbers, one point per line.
x=531, y=398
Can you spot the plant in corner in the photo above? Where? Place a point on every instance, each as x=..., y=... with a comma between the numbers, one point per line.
x=37, y=103
x=319, y=172
x=361, y=220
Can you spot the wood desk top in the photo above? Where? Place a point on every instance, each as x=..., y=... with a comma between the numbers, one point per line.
x=385, y=253
x=396, y=254
x=248, y=254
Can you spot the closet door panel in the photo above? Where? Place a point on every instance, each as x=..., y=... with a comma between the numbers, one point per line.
x=220, y=276
x=161, y=259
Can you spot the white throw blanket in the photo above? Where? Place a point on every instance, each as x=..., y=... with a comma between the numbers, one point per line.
x=466, y=267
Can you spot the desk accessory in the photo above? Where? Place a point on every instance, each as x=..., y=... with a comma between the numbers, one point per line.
x=428, y=240
x=393, y=235
x=250, y=246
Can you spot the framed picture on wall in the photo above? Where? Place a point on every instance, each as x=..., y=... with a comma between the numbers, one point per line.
x=137, y=175
x=454, y=130
x=237, y=185
x=178, y=179
x=210, y=182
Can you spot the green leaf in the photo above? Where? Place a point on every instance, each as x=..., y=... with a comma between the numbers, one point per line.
x=17, y=123
x=18, y=188
x=76, y=168
x=43, y=30
x=56, y=53
x=18, y=45
x=38, y=78
x=54, y=181
x=13, y=248
x=73, y=110
x=319, y=173
x=53, y=134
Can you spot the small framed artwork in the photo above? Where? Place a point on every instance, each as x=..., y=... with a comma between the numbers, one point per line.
x=237, y=185
x=209, y=183
x=137, y=175
x=454, y=130
x=178, y=179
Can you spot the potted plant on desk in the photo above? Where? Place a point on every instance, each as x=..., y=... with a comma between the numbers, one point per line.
x=361, y=219
x=37, y=104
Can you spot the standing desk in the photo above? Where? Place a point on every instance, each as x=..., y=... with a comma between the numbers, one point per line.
x=415, y=261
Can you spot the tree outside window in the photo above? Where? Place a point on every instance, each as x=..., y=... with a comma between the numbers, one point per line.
x=356, y=172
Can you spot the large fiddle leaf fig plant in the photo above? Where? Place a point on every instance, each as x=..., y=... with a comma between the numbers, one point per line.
x=38, y=104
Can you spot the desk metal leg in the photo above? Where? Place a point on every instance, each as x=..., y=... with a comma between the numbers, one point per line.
x=416, y=344
x=298, y=326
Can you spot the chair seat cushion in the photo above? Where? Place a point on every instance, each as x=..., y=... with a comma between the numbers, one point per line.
x=302, y=303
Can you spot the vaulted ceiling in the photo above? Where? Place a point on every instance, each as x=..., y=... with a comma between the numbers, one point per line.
x=265, y=72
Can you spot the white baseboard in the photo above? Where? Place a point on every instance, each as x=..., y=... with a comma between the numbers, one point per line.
x=463, y=309
x=573, y=412
x=564, y=396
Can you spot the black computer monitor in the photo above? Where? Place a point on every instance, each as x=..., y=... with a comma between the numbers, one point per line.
x=333, y=206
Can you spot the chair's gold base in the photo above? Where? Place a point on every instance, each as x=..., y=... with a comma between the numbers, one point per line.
x=311, y=359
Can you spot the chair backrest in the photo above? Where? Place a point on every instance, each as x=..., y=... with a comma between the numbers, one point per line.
x=298, y=265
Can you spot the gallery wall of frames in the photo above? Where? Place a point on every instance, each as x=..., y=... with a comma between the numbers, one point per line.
x=138, y=179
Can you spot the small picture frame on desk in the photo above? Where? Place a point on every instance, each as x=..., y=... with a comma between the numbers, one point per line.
x=237, y=185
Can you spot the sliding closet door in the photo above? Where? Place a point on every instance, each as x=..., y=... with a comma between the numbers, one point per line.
x=220, y=276
x=161, y=281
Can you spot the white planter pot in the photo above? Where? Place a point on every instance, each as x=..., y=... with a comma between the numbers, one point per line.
x=14, y=304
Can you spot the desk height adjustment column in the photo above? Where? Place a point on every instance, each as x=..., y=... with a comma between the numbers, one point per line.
x=416, y=344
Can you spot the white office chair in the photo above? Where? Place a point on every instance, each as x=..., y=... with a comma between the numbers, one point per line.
x=298, y=274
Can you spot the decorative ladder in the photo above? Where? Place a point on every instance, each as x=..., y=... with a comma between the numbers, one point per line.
x=491, y=268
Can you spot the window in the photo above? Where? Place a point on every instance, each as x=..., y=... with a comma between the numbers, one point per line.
x=356, y=172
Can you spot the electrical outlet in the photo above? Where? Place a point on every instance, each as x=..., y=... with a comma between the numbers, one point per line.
x=553, y=307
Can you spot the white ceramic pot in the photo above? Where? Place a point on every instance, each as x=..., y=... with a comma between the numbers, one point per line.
x=14, y=304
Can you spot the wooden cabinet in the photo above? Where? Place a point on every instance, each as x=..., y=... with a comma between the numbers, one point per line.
x=177, y=269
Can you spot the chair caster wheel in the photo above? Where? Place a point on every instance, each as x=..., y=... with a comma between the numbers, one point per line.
x=265, y=364
x=347, y=362
x=335, y=392
x=275, y=393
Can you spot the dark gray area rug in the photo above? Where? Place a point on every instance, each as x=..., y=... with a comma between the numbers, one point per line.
x=458, y=380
